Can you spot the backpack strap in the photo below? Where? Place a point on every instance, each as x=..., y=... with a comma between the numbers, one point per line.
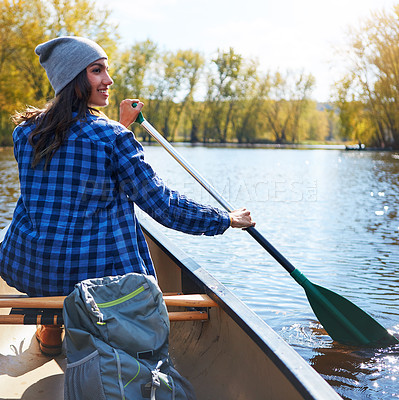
x=156, y=381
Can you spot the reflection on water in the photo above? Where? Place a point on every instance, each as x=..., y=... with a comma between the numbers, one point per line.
x=333, y=214
x=359, y=374
x=9, y=185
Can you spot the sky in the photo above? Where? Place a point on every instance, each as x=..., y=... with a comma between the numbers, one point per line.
x=298, y=35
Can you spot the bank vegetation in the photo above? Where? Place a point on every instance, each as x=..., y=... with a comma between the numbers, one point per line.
x=218, y=98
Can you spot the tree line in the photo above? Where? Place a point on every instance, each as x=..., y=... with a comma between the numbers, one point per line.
x=220, y=98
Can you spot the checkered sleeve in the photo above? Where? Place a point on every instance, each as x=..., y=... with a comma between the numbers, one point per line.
x=138, y=180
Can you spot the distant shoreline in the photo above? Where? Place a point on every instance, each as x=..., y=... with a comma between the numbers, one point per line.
x=254, y=145
x=232, y=145
x=296, y=146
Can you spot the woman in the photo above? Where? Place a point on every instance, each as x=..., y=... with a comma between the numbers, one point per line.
x=80, y=176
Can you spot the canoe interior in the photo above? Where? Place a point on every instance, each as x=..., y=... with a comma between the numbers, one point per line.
x=24, y=372
x=233, y=356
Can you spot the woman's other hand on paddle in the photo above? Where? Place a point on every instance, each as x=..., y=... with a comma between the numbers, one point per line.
x=241, y=218
x=128, y=114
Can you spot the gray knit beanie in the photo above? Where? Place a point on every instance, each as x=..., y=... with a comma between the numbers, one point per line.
x=65, y=57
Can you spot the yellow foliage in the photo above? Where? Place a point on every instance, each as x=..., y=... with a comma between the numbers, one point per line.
x=26, y=23
x=368, y=96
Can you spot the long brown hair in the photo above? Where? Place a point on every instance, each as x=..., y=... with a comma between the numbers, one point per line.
x=53, y=122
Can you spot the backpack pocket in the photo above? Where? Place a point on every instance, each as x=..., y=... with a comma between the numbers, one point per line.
x=83, y=379
x=136, y=320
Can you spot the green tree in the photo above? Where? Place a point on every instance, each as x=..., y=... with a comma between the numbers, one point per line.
x=289, y=96
x=191, y=65
x=130, y=71
x=222, y=93
x=248, y=120
x=179, y=74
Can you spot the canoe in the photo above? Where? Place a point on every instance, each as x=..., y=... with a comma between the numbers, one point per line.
x=360, y=146
x=234, y=355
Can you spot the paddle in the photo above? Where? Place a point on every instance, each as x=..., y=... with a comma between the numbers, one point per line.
x=344, y=322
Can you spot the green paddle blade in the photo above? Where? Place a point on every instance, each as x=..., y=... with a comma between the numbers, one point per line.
x=345, y=322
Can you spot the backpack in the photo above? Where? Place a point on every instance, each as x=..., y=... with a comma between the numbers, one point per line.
x=116, y=333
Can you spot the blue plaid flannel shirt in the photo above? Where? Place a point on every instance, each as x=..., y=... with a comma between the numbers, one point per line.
x=75, y=220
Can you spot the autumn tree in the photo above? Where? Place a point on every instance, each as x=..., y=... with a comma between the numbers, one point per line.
x=316, y=124
x=354, y=121
x=372, y=79
x=25, y=24
x=22, y=80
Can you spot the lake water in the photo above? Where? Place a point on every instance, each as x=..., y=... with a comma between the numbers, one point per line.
x=332, y=213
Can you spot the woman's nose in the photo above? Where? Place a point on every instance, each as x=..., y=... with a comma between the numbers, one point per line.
x=107, y=79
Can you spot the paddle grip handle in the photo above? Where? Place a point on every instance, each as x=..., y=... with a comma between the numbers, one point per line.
x=270, y=249
x=140, y=117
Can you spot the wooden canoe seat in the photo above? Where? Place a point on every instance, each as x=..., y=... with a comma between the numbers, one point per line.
x=48, y=310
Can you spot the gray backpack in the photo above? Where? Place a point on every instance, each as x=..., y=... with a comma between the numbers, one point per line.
x=116, y=332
